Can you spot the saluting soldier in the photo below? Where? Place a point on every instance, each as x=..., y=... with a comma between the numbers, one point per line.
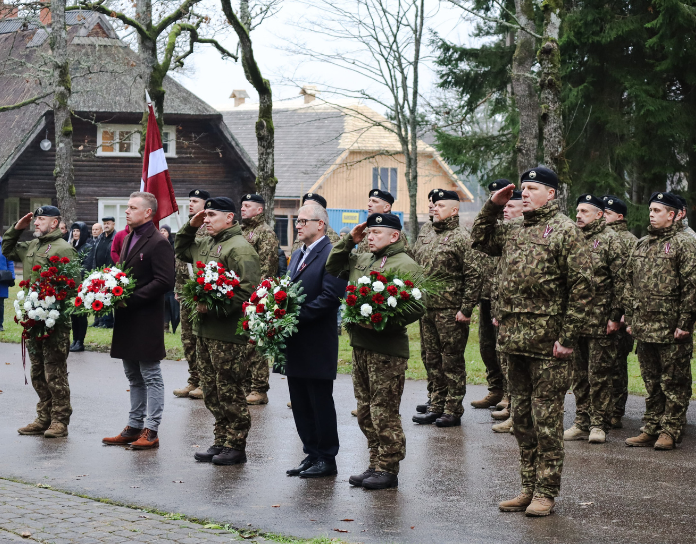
x=264, y=241
x=449, y=256
x=615, y=213
x=314, y=198
x=379, y=201
x=222, y=353
x=543, y=290
x=380, y=358
x=660, y=312
x=49, y=358
x=595, y=356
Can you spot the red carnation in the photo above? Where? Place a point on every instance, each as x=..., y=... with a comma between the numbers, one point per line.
x=45, y=274
x=374, y=273
x=200, y=273
x=245, y=325
x=220, y=281
x=107, y=270
x=260, y=308
x=200, y=281
x=280, y=296
x=351, y=289
x=254, y=297
x=220, y=265
x=376, y=318
x=64, y=260
x=381, y=278
x=54, y=258
x=207, y=287
x=351, y=300
x=71, y=283
x=377, y=298
x=200, y=264
x=245, y=305
x=50, y=292
x=97, y=305
x=117, y=291
x=24, y=283
x=235, y=282
x=120, y=275
x=36, y=268
x=266, y=284
x=408, y=283
x=78, y=301
x=404, y=295
x=392, y=290
x=230, y=294
x=278, y=313
x=364, y=290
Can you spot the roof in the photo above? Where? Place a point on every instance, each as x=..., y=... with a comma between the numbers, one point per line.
x=310, y=138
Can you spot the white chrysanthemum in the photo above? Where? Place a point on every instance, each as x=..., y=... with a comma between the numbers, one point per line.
x=31, y=314
x=20, y=295
x=277, y=288
x=19, y=315
x=16, y=305
x=54, y=314
x=41, y=313
x=378, y=287
x=365, y=309
x=49, y=300
x=416, y=294
x=391, y=301
x=251, y=309
x=364, y=279
x=285, y=282
x=397, y=281
x=28, y=305
x=124, y=280
x=50, y=322
x=34, y=295
x=111, y=283
x=261, y=292
x=89, y=298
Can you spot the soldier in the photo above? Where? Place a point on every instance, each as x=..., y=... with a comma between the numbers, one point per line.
x=380, y=359
x=448, y=312
x=660, y=313
x=543, y=289
x=184, y=272
x=681, y=217
x=222, y=353
x=595, y=356
x=314, y=198
x=49, y=358
x=262, y=238
x=615, y=211
x=379, y=201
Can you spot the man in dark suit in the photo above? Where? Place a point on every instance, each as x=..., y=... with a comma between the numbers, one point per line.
x=312, y=352
x=138, y=333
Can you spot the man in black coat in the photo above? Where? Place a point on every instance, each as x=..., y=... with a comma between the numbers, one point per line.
x=100, y=256
x=312, y=352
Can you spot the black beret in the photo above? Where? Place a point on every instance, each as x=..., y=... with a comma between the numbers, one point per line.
x=444, y=194
x=316, y=198
x=108, y=219
x=47, y=211
x=383, y=195
x=668, y=199
x=682, y=200
x=199, y=193
x=253, y=197
x=615, y=204
x=516, y=195
x=388, y=220
x=542, y=175
x=592, y=200
x=220, y=204
x=432, y=192
x=498, y=184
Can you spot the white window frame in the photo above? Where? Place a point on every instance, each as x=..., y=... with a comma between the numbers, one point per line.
x=13, y=200
x=135, y=141
x=170, y=220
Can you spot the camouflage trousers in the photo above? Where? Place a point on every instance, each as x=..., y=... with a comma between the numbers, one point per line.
x=222, y=367
x=624, y=346
x=188, y=340
x=537, y=393
x=378, y=382
x=487, y=342
x=423, y=357
x=666, y=371
x=593, y=369
x=258, y=372
x=49, y=376
x=445, y=341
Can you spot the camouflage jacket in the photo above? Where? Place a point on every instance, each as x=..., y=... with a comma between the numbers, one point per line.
x=447, y=254
x=331, y=233
x=608, y=278
x=184, y=271
x=422, y=242
x=660, y=291
x=544, y=286
x=264, y=241
x=489, y=265
x=684, y=223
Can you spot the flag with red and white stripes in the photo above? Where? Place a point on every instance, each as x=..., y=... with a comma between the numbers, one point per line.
x=155, y=177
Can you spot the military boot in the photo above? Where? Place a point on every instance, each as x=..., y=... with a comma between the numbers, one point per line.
x=504, y=427
x=448, y=420
x=255, y=397
x=207, y=456
x=423, y=408
x=616, y=423
x=34, y=428
x=197, y=393
x=503, y=404
x=643, y=440
x=358, y=479
x=381, y=480
x=56, y=430
x=493, y=398
x=184, y=391
x=540, y=506
x=664, y=442
x=501, y=415
x=597, y=436
x=354, y=413
x=230, y=456
x=518, y=504
x=575, y=433
x=427, y=418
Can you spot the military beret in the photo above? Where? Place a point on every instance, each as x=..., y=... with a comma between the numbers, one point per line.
x=668, y=199
x=47, y=211
x=615, y=204
x=498, y=184
x=444, y=194
x=382, y=195
x=108, y=219
x=542, y=175
x=316, y=198
x=387, y=220
x=253, y=197
x=220, y=204
x=199, y=193
x=592, y=200
x=682, y=200
x=516, y=195
x=432, y=192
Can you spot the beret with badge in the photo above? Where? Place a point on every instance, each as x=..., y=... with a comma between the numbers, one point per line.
x=382, y=195
x=253, y=197
x=682, y=200
x=387, y=220
x=668, y=199
x=542, y=175
x=432, y=192
x=220, y=204
x=199, y=193
x=615, y=204
x=316, y=198
x=516, y=195
x=591, y=200
x=47, y=211
x=498, y=184
x=444, y=194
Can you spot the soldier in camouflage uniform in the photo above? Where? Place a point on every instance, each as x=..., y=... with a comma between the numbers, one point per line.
x=380, y=358
x=595, y=356
x=379, y=201
x=262, y=238
x=49, y=358
x=682, y=220
x=660, y=312
x=449, y=256
x=615, y=211
x=314, y=198
x=183, y=273
x=543, y=290
x=222, y=353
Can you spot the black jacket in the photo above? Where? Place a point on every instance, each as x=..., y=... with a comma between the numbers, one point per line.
x=282, y=263
x=100, y=255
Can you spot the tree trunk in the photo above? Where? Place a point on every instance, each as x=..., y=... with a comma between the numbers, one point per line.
x=412, y=171
x=524, y=90
x=65, y=187
x=151, y=71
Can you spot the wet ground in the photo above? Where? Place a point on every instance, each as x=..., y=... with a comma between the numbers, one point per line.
x=450, y=481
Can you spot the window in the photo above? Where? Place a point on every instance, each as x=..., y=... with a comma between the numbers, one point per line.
x=35, y=203
x=124, y=140
x=116, y=208
x=169, y=141
x=385, y=179
x=11, y=212
x=281, y=229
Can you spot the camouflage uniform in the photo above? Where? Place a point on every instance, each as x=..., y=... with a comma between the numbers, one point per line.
x=333, y=238
x=380, y=359
x=419, y=246
x=448, y=255
x=661, y=297
x=544, y=287
x=686, y=228
x=49, y=358
x=221, y=352
x=595, y=358
x=487, y=332
x=264, y=241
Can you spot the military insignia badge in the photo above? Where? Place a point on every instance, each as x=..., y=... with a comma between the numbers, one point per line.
x=611, y=202
x=375, y=193
x=588, y=197
x=378, y=220
x=441, y=193
x=197, y=192
x=39, y=211
x=208, y=205
x=495, y=185
x=547, y=231
x=532, y=174
x=309, y=194
x=248, y=196
x=659, y=196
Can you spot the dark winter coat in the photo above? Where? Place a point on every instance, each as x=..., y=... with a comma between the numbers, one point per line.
x=100, y=255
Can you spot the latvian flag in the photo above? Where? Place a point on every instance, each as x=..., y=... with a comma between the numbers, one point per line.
x=155, y=177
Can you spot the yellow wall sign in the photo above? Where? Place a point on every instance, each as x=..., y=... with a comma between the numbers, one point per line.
x=350, y=217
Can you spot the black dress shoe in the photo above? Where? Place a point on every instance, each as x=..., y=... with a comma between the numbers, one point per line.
x=304, y=465
x=229, y=456
x=320, y=469
x=427, y=418
x=358, y=479
x=381, y=480
x=77, y=346
x=207, y=457
x=423, y=408
x=448, y=420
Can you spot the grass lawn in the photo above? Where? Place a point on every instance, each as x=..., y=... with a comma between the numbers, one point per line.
x=100, y=340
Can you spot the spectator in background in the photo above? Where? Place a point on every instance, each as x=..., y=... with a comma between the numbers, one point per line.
x=81, y=240
x=282, y=262
x=117, y=244
x=64, y=229
x=342, y=234
x=172, y=311
x=100, y=257
x=96, y=231
x=6, y=281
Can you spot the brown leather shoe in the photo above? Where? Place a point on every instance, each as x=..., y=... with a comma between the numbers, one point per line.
x=501, y=415
x=128, y=435
x=184, y=391
x=493, y=398
x=518, y=504
x=56, y=430
x=664, y=442
x=540, y=506
x=35, y=427
x=147, y=441
x=643, y=440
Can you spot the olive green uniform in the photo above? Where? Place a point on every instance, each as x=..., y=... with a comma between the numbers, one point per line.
x=421, y=244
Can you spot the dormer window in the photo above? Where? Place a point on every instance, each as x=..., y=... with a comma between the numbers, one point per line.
x=124, y=141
